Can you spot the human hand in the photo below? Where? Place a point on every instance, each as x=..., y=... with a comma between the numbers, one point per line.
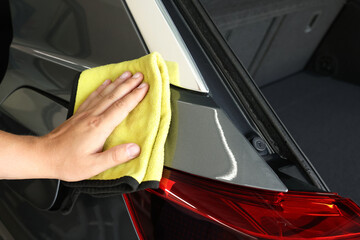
x=73, y=151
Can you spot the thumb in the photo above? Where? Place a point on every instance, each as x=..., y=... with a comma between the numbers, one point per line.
x=115, y=156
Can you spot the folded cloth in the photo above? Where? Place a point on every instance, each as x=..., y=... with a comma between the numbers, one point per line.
x=147, y=125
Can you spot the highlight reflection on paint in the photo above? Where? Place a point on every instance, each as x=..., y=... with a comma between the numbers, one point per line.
x=232, y=173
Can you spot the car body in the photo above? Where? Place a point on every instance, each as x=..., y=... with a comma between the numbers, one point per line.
x=225, y=144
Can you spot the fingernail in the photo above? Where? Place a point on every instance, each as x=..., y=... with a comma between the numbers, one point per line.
x=137, y=75
x=106, y=82
x=133, y=150
x=125, y=75
x=142, y=85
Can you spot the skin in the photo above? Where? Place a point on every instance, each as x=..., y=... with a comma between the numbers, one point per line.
x=73, y=151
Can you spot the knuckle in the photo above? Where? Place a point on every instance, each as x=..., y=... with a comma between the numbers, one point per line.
x=135, y=81
x=116, y=155
x=120, y=104
x=81, y=115
x=94, y=122
x=112, y=97
x=99, y=93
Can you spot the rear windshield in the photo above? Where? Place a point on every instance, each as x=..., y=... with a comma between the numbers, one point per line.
x=303, y=55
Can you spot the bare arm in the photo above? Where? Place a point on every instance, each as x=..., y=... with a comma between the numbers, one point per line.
x=72, y=151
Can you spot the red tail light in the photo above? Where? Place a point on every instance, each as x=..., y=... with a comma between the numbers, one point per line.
x=240, y=212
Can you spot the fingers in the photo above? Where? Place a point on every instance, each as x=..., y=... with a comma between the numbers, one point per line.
x=114, y=94
x=93, y=95
x=122, y=78
x=103, y=91
x=118, y=111
x=114, y=156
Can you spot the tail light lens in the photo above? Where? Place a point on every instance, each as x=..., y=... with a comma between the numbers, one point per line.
x=191, y=207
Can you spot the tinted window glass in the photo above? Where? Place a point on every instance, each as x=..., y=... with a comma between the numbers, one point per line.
x=300, y=55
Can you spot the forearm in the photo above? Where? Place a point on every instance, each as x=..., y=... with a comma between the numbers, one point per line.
x=20, y=157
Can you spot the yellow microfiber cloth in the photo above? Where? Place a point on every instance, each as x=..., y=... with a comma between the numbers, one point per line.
x=147, y=125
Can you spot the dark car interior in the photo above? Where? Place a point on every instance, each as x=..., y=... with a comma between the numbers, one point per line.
x=303, y=55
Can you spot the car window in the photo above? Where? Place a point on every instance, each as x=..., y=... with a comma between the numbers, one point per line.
x=300, y=56
x=273, y=39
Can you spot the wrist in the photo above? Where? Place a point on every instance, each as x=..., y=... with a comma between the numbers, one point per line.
x=42, y=157
x=23, y=157
x=34, y=157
